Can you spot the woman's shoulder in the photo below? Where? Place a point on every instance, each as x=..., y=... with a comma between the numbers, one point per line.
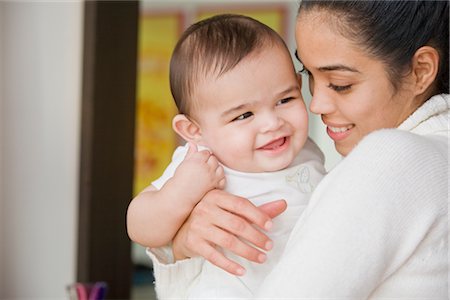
x=391, y=168
x=401, y=162
x=396, y=157
x=399, y=145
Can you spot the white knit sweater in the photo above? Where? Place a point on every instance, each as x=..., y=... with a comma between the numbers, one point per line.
x=376, y=226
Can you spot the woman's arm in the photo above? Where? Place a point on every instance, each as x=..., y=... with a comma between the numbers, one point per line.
x=365, y=222
x=365, y=219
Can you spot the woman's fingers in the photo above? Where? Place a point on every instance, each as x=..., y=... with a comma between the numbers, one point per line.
x=242, y=207
x=219, y=239
x=232, y=243
x=240, y=227
x=274, y=208
x=232, y=218
x=198, y=237
x=217, y=258
x=206, y=250
x=224, y=221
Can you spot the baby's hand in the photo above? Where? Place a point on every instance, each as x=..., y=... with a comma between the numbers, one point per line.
x=201, y=171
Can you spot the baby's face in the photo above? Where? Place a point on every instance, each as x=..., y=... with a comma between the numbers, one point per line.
x=253, y=117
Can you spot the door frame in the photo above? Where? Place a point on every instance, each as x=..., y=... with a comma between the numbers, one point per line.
x=107, y=143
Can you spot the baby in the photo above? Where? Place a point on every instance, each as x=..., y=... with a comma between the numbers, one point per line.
x=242, y=115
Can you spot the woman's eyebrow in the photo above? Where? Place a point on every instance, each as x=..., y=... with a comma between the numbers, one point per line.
x=337, y=67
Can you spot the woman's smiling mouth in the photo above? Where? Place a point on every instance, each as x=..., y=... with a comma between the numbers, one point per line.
x=339, y=132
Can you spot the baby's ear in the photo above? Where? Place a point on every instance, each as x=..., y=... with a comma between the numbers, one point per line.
x=187, y=129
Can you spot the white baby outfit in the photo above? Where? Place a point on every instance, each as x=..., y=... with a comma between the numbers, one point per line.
x=293, y=184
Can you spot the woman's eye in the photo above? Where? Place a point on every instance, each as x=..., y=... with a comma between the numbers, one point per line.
x=243, y=116
x=339, y=88
x=285, y=100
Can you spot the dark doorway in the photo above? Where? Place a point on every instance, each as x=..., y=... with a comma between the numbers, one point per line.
x=107, y=143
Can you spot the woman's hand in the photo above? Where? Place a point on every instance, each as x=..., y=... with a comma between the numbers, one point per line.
x=227, y=221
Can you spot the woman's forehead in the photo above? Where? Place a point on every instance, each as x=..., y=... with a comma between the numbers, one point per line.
x=320, y=44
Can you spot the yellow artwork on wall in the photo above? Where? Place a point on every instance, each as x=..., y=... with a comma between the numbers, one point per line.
x=272, y=17
x=158, y=34
x=155, y=139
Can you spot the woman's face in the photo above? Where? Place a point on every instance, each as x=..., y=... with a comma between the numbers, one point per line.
x=350, y=90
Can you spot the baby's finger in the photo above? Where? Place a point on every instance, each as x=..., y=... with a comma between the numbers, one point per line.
x=203, y=156
x=220, y=174
x=222, y=183
x=213, y=162
x=219, y=171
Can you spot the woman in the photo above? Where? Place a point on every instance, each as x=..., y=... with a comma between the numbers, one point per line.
x=377, y=225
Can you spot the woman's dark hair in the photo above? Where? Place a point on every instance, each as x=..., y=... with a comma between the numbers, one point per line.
x=393, y=31
x=212, y=47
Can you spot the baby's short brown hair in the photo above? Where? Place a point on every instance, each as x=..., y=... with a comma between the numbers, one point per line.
x=212, y=47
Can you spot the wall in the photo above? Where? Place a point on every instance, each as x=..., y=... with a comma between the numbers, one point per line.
x=40, y=63
x=1, y=151
x=40, y=70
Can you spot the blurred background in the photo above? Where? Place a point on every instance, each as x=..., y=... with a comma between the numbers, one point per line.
x=85, y=123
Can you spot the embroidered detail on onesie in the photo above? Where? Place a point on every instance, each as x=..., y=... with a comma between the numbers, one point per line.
x=300, y=179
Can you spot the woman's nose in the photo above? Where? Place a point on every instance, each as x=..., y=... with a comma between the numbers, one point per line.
x=321, y=103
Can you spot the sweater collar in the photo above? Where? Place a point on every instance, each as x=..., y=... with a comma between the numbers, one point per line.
x=432, y=116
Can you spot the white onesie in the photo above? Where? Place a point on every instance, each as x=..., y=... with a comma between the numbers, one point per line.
x=293, y=184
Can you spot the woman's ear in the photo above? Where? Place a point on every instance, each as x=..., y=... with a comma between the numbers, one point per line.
x=425, y=66
x=187, y=129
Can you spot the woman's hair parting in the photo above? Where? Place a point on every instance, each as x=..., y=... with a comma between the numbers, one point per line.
x=212, y=47
x=393, y=31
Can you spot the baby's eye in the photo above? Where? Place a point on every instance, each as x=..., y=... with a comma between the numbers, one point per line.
x=243, y=116
x=285, y=100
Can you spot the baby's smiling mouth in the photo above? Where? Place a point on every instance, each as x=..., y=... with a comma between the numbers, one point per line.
x=273, y=145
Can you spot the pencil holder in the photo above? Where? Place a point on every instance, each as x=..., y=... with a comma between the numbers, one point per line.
x=87, y=291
